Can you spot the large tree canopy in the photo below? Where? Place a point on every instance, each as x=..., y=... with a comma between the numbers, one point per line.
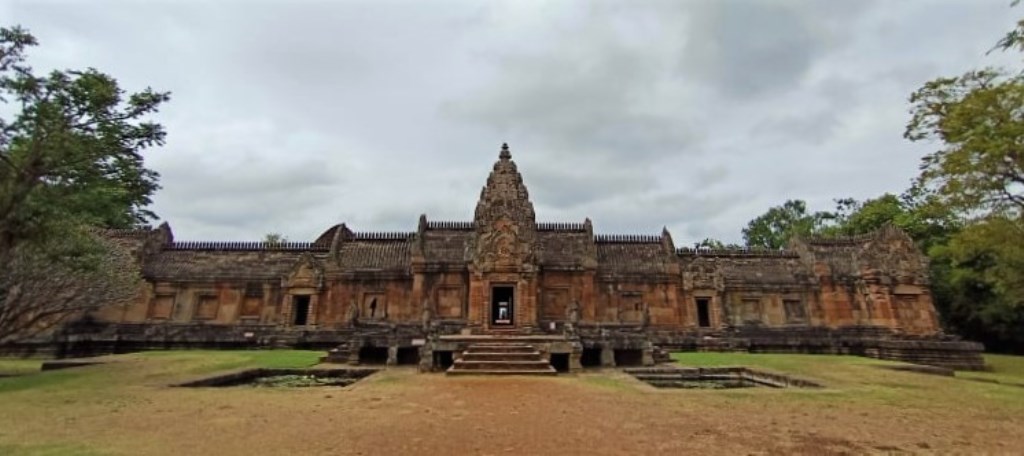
x=71, y=151
x=978, y=118
x=70, y=165
x=774, y=229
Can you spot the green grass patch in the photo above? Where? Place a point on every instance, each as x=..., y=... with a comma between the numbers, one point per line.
x=19, y=366
x=1005, y=369
x=206, y=361
x=854, y=379
x=47, y=450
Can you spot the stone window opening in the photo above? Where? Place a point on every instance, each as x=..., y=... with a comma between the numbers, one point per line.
x=373, y=308
x=795, y=311
x=253, y=290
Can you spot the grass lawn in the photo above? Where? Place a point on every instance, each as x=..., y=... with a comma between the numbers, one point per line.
x=126, y=407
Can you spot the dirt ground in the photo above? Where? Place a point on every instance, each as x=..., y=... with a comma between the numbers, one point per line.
x=401, y=412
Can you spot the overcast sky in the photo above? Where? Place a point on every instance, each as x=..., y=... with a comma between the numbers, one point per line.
x=696, y=115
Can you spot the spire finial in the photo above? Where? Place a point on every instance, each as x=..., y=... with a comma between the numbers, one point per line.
x=505, y=154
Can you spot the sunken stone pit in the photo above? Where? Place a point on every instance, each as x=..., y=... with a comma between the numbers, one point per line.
x=715, y=378
x=283, y=378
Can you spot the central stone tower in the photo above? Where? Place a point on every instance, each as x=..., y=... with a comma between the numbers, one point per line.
x=503, y=270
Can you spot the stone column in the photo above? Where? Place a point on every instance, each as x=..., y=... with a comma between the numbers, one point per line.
x=426, y=357
x=648, y=355
x=607, y=357
x=392, y=355
x=574, y=358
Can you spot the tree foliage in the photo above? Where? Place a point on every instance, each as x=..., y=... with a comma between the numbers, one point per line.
x=71, y=145
x=978, y=118
x=774, y=229
x=72, y=148
x=274, y=238
x=39, y=293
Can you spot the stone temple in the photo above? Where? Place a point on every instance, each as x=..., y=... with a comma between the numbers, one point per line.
x=573, y=297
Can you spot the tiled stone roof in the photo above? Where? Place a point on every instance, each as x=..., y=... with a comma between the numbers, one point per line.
x=202, y=265
x=375, y=255
x=446, y=246
x=564, y=248
x=623, y=257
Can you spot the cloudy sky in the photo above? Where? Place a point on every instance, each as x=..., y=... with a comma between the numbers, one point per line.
x=697, y=115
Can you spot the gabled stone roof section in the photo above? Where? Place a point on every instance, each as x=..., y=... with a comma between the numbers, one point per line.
x=888, y=252
x=127, y=233
x=565, y=249
x=446, y=246
x=621, y=256
x=207, y=265
x=380, y=253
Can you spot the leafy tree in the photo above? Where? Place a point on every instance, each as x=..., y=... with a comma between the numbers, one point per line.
x=979, y=119
x=977, y=175
x=70, y=162
x=715, y=244
x=274, y=238
x=927, y=224
x=39, y=294
x=979, y=287
x=774, y=229
x=71, y=151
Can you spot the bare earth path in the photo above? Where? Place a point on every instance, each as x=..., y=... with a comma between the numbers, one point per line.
x=401, y=412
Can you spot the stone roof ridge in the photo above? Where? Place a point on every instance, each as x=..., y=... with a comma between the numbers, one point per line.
x=382, y=236
x=562, y=226
x=127, y=232
x=741, y=252
x=248, y=246
x=845, y=240
x=627, y=239
x=454, y=225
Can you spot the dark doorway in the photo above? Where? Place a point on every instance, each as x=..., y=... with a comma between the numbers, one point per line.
x=373, y=355
x=300, y=310
x=591, y=357
x=703, y=312
x=560, y=361
x=443, y=359
x=408, y=355
x=502, y=306
x=627, y=358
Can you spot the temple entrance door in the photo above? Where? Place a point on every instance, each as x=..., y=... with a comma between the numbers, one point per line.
x=502, y=305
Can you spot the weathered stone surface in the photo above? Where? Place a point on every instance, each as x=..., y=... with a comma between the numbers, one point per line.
x=367, y=293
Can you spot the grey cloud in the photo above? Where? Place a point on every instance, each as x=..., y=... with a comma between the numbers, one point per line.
x=697, y=115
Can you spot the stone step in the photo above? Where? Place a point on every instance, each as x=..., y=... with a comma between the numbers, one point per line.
x=500, y=356
x=496, y=365
x=501, y=349
x=453, y=371
x=497, y=358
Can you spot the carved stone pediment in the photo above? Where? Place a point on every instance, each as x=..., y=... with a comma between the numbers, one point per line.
x=307, y=273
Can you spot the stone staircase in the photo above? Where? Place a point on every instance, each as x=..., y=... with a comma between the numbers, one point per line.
x=501, y=358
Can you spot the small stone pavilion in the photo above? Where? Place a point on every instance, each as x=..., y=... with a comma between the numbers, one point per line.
x=568, y=297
